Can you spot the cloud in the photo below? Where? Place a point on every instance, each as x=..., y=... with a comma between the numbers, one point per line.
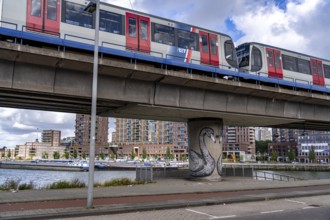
x=19, y=126
x=22, y=126
x=301, y=27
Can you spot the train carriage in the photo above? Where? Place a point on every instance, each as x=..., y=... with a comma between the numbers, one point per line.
x=273, y=62
x=121, y=29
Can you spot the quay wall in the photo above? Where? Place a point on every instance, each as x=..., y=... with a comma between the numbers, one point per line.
x=33, y=166
x=282, y=166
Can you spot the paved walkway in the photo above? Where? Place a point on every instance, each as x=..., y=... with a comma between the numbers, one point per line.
x=166, y=193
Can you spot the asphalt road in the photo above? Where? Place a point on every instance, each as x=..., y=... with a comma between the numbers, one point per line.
x=303, y=208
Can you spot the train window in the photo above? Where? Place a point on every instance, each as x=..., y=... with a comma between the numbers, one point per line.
x=36, y=8
x=163, y=34
x=213, y=46
x=319, y=69
x=205, y=44
x=132, y=27
x=289, y=63
x=326, y=71
x=243, y=55
x=74, y=14
x=144, y=30
x=52, y=10
x=187, y=40
x=110, y=22
x=256, y=62
x=278, y=61
x=314, y=68
x=270, y=58
x=304, y=66
x=230, y=53
x=229, y=50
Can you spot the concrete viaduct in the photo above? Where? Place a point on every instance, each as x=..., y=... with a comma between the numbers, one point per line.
x=47, y=79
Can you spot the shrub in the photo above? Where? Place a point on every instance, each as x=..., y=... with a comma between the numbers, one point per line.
x=14, y=184
x=76, y=183
x=9, y=184
x=121, y=182
x=25, y=186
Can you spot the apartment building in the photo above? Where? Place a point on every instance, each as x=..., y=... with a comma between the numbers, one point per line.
x=263, y=134
x=37, y=150
x=316, y=140
x=302, y=142
x=239, y=143
x=153, y=136
x=82, y=130
x=52, y=137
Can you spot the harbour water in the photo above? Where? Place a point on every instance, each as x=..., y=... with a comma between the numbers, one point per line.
x=42, y=178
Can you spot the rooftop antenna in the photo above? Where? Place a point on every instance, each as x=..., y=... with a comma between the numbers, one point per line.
x=37, y=140
x=131, y=4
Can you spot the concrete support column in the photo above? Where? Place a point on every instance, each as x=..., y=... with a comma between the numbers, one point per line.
x=205, y=149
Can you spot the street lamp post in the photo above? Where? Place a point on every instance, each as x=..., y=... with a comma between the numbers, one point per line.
x=91, y=7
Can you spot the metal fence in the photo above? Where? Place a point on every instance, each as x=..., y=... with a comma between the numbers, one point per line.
x=144, y=173
x=262, y=175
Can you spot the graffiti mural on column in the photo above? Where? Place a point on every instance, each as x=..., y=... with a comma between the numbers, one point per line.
x=205, y=148
x=202, y=164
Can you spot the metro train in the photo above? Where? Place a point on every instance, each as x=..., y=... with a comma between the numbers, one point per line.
x=121, y=29
x=128, y=33
x=257, y=58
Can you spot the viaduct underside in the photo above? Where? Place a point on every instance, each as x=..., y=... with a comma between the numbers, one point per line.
x=47, y=79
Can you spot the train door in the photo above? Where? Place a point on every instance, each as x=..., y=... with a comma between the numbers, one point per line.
x=275, y=68
x=317, y=72
x=137, y=33
x=209, y=48
x=43, y=16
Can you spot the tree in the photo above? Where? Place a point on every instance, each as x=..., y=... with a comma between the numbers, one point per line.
x=311, y=155
x=9, y=154
x=66, y=155
x=292, y=155
x=144, y=153
x=262, y=146
x=274, y=155
x=75, y=154
x=168, y=153
x=83, y=155
x=102, y=156
x=112, y=156
x=3, y=154
x=56, y=155
x=133, y=155
x=44, y=155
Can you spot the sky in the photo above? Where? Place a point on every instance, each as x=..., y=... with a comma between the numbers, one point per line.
x=298, y=25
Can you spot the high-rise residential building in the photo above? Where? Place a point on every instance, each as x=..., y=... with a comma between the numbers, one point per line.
x=53, y=137
x=239, y=143
x=283, y=135
x=283, y=142
x=263, y=134
x=153, y=136
x=82, y=130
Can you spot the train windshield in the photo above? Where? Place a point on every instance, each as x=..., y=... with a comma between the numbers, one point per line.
x=243, y=55
x=230, y=53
